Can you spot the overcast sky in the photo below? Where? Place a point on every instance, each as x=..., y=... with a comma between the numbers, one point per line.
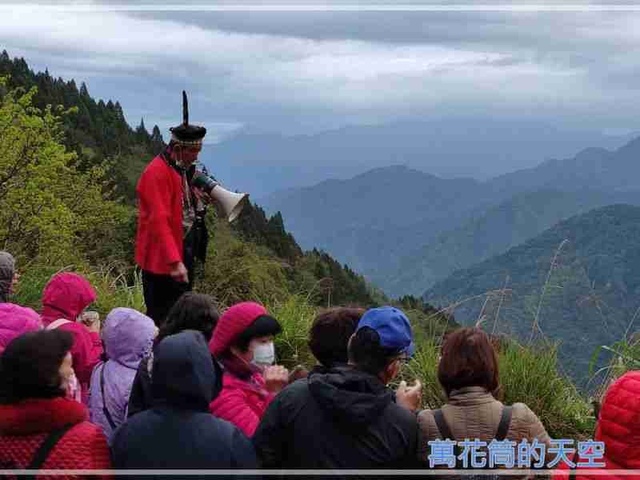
x=291, y=71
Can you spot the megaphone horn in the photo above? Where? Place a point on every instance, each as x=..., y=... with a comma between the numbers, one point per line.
x=232, y=203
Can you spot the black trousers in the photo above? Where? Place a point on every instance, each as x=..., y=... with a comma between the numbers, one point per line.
x=160, y=293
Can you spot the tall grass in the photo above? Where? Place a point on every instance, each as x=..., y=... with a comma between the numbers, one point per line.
x=625, y=356
x=295, y=315
x=112, y=289
x=528, y=373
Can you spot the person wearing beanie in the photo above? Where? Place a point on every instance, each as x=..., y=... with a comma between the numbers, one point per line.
x=178, y=432
x=8, y=276
x=344, y=416
x=243, y=342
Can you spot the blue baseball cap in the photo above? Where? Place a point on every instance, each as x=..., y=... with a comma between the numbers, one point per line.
x=393, y=328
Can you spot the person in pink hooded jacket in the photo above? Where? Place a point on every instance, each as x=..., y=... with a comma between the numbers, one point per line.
x=15, y=321
x=64, y=298
x=243, y=343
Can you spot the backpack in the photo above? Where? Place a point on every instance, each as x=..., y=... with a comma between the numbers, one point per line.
x=74, y=389
x=501, y=434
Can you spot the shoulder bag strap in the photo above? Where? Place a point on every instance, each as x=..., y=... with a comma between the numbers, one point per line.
x=45, y=449
x=505, y=421
x=105, y=410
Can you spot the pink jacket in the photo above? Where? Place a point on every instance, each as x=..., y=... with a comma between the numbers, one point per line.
x=242, y=402
x=15, y=321
x=66, y=296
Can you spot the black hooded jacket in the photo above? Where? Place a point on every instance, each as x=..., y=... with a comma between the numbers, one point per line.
x=179, y=432
x=341, y=418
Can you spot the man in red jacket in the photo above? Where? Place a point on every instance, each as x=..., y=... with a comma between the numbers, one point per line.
x=171, y=228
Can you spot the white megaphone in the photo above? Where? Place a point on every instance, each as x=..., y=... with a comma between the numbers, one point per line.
x=232, y=203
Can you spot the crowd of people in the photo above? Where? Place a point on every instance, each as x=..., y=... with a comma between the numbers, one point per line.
x=203, y=391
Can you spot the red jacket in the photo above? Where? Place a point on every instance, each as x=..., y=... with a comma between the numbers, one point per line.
x=25, y=425
x=242, y=402
x=160, y=231
x=619, y=429
x=66, y=296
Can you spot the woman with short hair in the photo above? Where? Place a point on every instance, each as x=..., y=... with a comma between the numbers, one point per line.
x=243, y=343
x=39, y=427
x=469, y=374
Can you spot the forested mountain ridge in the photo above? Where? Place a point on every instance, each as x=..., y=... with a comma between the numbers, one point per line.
x=68, y=199
x=577, y=282
x=96, y=131
x=493, y=232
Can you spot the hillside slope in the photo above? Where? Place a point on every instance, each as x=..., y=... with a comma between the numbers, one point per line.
x=578, y=282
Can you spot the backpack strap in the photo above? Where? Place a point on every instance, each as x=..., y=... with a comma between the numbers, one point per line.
x=105, y=410
x=505, y=421
x=445, y=432
x=443, y=426
x=45, y=448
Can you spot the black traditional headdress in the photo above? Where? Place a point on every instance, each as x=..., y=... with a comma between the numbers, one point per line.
x=184, y=133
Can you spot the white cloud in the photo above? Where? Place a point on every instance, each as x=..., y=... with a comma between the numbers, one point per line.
x=242, y=77
x=338, y=74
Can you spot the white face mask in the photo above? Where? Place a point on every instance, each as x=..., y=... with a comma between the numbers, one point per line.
x=264, y=354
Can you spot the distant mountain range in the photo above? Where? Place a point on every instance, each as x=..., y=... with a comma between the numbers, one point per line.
x=496, y=230
x=405, y=229
x=478, y=147
x=372, y=219
x=580, y=279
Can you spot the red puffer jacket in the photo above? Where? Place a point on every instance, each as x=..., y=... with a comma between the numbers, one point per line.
x=25, y=425
x=619, y=429
x=242, y=402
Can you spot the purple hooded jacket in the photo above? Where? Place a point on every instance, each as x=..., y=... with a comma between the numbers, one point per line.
x=127, y=336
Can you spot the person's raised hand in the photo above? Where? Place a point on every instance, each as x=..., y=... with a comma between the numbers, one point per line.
x=91, y=320
x=179, y=272
x=409, y=397
x=276, y=377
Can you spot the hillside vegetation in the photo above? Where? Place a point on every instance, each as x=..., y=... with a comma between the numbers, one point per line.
x=63, y=209
x=577, y=283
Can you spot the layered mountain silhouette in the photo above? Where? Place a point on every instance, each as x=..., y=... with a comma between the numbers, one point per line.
x=578, y=282
x=406, y=229
x=477, y=146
